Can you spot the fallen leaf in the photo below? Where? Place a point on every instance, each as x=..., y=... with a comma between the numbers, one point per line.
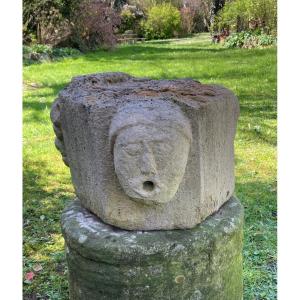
x=37, y=268
x=29, y=276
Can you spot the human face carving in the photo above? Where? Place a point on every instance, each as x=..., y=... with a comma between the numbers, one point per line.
x=150, y=162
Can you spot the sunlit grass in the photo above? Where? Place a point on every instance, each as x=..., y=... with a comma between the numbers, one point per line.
x=251, y=74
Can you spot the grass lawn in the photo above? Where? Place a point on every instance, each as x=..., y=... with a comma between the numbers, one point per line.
x=251, y=74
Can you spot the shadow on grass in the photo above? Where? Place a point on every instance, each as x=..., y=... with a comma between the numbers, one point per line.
x=46, y=193
x=44, y=190
x=36, y=107
x=144, y=52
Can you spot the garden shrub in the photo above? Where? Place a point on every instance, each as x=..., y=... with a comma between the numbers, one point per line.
x=187, y=20
x=64, y=52
x=127, y=20
x=163, y=22
x=245, y=15
x=246, y=39
x=146, y=5
x=44, y=21
x=94, y=24
x=40, y=53
x=130, y=18
x=196, y=15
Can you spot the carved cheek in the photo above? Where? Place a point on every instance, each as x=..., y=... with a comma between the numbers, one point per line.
x=181, y=155
x=126, y=165
x=178, y=160
x=162, y=153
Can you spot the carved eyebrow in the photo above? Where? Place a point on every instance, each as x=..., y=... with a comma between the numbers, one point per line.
x=162, y=140
x=130, y=143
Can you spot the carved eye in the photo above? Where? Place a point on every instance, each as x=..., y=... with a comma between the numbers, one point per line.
x=162, y=147
x=132, y=149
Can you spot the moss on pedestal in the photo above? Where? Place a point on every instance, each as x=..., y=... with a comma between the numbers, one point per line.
x=110, y=263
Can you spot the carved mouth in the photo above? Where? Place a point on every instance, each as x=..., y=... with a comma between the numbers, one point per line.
x=146, y=188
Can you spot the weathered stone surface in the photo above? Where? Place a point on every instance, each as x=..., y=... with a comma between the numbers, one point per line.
x=147, y=154
x=200, y=263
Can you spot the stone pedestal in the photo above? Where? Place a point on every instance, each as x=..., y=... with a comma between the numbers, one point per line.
x=110, y=263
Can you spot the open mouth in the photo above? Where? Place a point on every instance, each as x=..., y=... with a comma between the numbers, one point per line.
x=148, y=186
x=148, y=190
x=145, y=188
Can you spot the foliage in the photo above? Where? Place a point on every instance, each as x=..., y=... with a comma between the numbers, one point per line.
x=127, y=20
x=37, y=48
x=250, y=74
x=45, y=21
x=202, y=11
x=187, y=20
x=75, y=23
x=146, y=5
x=94, y=23
x=246, y=39
x=217, y=5
x=163, y=22
x=40, y=52
x=196, y=14
x=241, y=15
x=130, y=18
x=84, y=23
x=65, y=52
x=117, y=4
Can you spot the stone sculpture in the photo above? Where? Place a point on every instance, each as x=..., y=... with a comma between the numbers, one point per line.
x=147, y=154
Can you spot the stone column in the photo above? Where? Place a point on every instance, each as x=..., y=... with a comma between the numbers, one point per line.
x=110, y=263
x=152, y=163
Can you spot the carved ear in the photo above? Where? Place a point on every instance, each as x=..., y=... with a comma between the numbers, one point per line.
x=59, y=140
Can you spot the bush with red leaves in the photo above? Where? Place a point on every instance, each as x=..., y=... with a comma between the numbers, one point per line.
x=94, y=23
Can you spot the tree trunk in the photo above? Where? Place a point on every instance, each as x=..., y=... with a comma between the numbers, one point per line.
x=38, y=33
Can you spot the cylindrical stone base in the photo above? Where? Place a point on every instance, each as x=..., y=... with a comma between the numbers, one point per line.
x=109, y=263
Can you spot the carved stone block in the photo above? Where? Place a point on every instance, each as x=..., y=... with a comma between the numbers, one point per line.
x=147, y=154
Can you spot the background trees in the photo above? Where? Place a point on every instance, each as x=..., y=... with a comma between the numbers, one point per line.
x=88, y=24
x=45, y=20
x=93, y=24
x=241, y=15
x=163, y=22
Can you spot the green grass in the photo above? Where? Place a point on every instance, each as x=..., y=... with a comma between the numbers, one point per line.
x=251, y=74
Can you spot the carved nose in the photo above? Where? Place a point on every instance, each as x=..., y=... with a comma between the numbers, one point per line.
x=148, y=165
